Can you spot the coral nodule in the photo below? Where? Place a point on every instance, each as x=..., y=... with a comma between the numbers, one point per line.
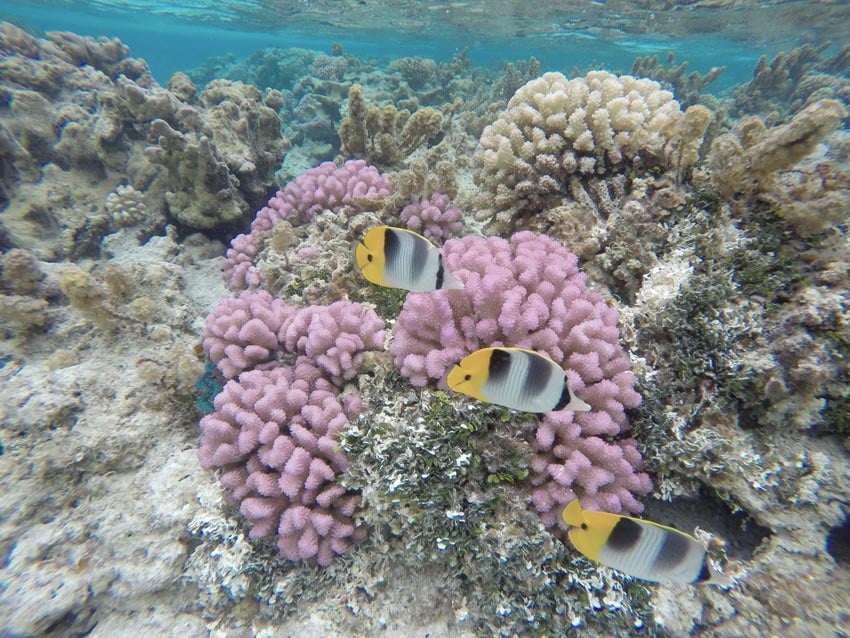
x=527, y=292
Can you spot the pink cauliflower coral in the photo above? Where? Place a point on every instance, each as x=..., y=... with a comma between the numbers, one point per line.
x=241, y=332
x=326, y=186
x=274, y=436
x=433, y=217
x=334, y=337
x=528, y=293
x=253, y=329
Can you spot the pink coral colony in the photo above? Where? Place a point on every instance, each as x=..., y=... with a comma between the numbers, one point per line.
x=527, y=292
x=274, y=431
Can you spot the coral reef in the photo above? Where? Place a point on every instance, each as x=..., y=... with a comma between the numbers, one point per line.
x=528, y=293
x=325, y=187
x=714, y=285
x=80, y=117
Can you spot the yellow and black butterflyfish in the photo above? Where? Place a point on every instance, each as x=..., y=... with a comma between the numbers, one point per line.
x=399, y=258
x=515, y=378
x=639, y=548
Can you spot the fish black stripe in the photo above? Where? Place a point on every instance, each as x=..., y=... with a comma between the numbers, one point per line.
x=537, y=376
x=419, y=258
x=566, y=397
x=672, y=552
x=704, y=572
x=625, y=535
x=500, y=365
x=439, y=281
x=392, y=247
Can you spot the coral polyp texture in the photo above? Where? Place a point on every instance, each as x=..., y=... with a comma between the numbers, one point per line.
x=241, y=332
x=253, y=329
x=556, y=132
x=434, y=217
x=274, y=436
x=326, y=187
x=126, y=205
x=527, y=292
x=275, y=428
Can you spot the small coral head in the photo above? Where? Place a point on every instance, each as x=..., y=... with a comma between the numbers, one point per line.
x=515, y=378
x=399, y=258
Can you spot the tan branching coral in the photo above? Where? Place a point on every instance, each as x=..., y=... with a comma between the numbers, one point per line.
x=794, y=80
x=422, y=179
x=555, y=130
x=786, y=145
x=385, y=136
x=753, y=161
x=686, y=86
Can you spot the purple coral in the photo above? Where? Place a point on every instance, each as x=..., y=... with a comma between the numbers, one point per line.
x=274, y=432
x=326, y=186
x=335, y=337
x=529, y=293
x=569, y=462
x=433, y=217
x=274, y=436
x=241, y=332
x=253, y=329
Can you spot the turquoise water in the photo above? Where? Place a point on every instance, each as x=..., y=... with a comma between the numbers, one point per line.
x=174, y=36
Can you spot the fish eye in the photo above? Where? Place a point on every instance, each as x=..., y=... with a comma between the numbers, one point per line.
x=467, y=377
x=369, y=257
x=584, y=525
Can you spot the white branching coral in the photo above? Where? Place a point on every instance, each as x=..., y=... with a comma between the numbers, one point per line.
x=126, y=205
x=555, y=130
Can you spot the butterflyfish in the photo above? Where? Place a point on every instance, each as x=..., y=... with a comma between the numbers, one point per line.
x=399, y=258
x=515, y=378
x=639, y=548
